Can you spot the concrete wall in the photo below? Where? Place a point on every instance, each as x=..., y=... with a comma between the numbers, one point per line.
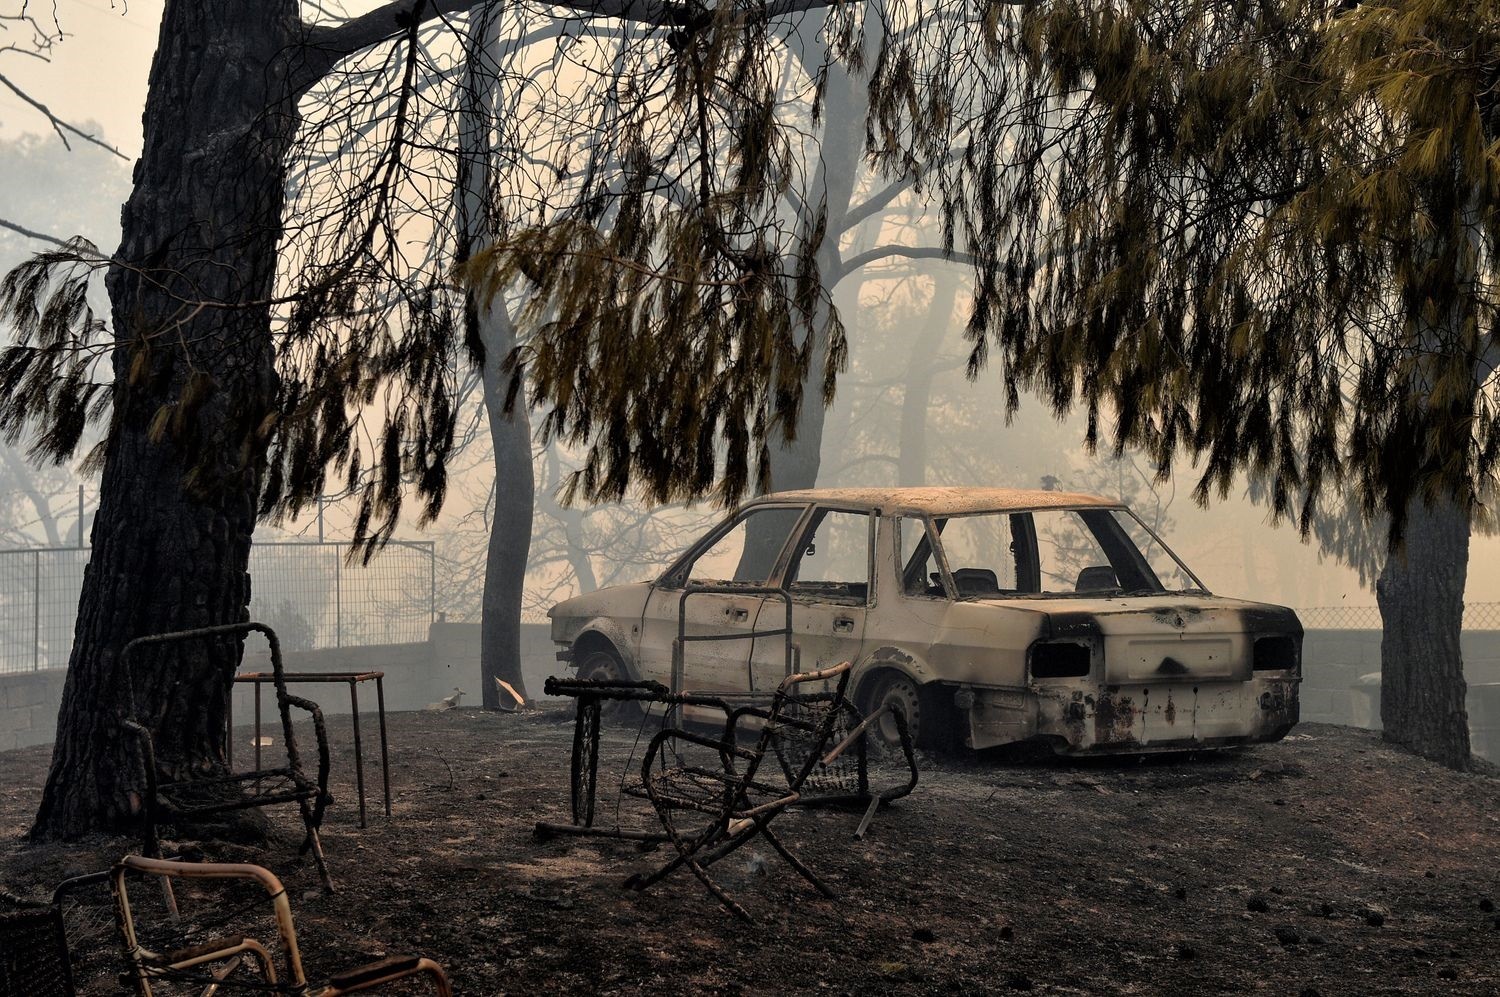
x=1341, y=682
x=415, y=675
x=1341, y=670
x=28, y=707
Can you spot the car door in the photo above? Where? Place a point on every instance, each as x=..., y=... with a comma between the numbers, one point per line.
x=699, y=598
x=830, y=580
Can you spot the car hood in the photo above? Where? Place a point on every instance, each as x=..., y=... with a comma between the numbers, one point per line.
x=622, y=601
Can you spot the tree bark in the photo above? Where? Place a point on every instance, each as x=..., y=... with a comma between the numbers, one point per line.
x=171, y=538
x=510, y=432
x=1421, y=596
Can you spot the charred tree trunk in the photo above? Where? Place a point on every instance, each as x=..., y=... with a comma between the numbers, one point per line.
x=510, y=431
x=193, y=386
x=1421, y=597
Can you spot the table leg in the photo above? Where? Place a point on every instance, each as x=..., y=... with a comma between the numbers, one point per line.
x=257, y=725
x=229, y=738
x=593, y=773
x=585, y=762
x=385, y=761
x=359, y=762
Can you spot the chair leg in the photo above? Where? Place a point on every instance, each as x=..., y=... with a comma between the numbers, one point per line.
x=685, y=848
x=718, y=891
x=322, y=863
x=796, y=863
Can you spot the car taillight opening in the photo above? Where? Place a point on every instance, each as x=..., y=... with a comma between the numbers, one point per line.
x=1276, y=653
x=1062, y=660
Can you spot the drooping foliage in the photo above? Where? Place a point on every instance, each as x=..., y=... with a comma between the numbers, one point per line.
x=1259, y=234
x=664, y=302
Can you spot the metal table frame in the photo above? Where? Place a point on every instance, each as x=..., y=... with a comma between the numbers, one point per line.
x=353, y=679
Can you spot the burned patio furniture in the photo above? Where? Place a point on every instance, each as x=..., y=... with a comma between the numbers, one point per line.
x=592, y=695
x=726, y=788
x=840, y=772
x=195, y=964
x=34, y=950
x=353, y=680
x=188, y=800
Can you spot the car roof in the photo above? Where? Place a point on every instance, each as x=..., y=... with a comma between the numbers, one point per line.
x=943, y=501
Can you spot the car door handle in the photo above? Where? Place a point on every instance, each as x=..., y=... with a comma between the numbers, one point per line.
x=843, y=625
x=740, y=615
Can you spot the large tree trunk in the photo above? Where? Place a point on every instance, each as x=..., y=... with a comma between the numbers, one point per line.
x=1421, y=597
x=510, y=432
x=171, y=538
x=916, y=401
x=510, y=529
x=795, y=461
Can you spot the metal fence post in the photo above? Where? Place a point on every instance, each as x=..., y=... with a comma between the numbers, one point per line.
x=338, y=599
x=36, y=610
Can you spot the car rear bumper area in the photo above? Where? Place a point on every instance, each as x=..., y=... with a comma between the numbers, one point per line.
x=1080, y=718
x=1170, y=717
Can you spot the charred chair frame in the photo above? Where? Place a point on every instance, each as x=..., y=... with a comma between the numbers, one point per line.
x=145, y=966
x=738, y=805
x=289, y=784
x=591, y=695
x=34, y=940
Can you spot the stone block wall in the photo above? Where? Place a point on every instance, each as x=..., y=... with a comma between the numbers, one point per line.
x=415, y=675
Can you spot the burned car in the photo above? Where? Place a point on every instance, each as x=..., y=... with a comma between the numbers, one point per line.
x=988, y=615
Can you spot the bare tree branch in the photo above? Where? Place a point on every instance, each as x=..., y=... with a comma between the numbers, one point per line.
x=28, y=233
x=909, y=252
x=58, y=124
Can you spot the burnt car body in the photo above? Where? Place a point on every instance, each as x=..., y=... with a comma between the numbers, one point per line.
x=990, y=616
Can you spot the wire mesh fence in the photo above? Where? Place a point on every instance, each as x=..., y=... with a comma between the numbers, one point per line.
x=303, y=590
x=1477, y=616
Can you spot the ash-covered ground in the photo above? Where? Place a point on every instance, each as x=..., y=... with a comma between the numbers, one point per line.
x=1328, y=863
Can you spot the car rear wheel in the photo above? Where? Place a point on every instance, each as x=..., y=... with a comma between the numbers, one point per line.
x=900, y=693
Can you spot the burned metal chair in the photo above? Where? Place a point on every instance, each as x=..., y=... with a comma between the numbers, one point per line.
x=41, y=942
x=34, y=953
x=841, y=775
x=737, y=800
x=187, y=800
x=196, y=964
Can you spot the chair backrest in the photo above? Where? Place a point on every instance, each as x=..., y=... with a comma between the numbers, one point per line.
x=813, y=713
x=1097, y=578
x=131, y=656
x=172, y=869
x=34, y=953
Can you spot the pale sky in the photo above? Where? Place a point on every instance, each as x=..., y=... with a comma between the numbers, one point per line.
x=97, y=73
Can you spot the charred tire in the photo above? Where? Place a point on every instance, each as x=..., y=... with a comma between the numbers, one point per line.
x=601, y=664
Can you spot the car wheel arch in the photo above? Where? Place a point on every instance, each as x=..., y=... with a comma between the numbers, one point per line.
x=604, y=634
x=870, y=672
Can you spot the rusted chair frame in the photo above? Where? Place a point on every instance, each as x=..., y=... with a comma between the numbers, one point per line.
x=737, y=818
x=311, y=798
x=591, y=695
x=146, y=966
x=855, y=738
